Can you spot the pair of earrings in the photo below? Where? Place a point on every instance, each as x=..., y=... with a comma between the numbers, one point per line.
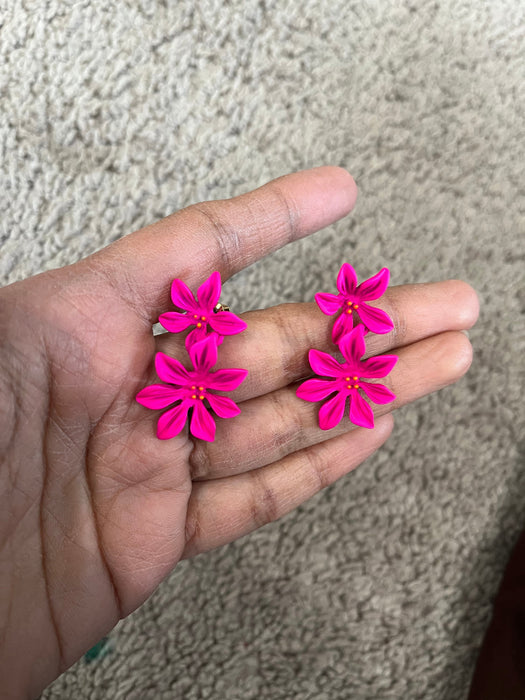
x=345, y=379
x=212, y=321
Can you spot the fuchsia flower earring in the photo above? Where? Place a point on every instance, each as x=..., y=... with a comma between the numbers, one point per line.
x=205, y=313
x=346, y=379
x=193, y=390
x=353, y=298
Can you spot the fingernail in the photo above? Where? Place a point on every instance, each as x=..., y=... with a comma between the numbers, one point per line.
x=466, y=333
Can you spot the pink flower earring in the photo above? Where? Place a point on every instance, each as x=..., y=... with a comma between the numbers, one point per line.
x=353, y=298
x=205, y=312
x=346, y=379
x=193, y=390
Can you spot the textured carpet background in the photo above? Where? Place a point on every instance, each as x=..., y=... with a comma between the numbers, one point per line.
x=116, y=114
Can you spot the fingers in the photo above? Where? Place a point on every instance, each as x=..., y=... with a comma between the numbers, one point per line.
x=222, y=510
x=274, y=347
x=225, y=235
x=279, y=423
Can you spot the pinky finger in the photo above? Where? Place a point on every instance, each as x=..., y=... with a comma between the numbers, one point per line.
x=221, y=510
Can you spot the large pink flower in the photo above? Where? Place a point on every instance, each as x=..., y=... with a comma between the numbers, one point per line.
x=200, y=312
x=346, y=380
x=354, y=297
x=192, y=388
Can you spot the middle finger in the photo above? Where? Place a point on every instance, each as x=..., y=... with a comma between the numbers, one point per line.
x=274, y=347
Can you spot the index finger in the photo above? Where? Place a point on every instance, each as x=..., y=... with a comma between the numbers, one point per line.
x=225, y=235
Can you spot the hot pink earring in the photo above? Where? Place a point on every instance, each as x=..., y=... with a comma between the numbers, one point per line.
x=192, y=391
x=344, y=380
x=353, y=299
x=205, y=312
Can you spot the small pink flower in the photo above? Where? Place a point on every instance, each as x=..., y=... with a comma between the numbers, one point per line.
x=346, y=382
x=353, y=297
x=200, y=312
x=192, y=388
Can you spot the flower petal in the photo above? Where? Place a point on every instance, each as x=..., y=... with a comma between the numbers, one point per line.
x=203, y=353
x=378, y=366
x=352, y=345
x=226, y=323
x=174, y=322
x=374, y=287
x=360, y=411
x=172, y=422
x=328, y=303
x=158, y=396
x=181, y=296
x=331, y=413
x=343, y=325
x=196, y=335
x=378, y=393
x=199, y=334
x=202, y=424
x=226, y=379
x=316, y=389
x=377, y=320
x=209, y=292
x=171, y=370
x=347, y=280
x=223, y=406
x=324, y=364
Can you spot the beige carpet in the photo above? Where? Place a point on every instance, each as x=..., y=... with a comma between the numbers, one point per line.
x=116, y=114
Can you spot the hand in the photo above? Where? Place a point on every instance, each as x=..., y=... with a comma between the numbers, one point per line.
x=95, y=510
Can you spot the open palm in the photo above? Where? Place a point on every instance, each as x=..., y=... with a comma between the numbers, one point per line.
x=96, y=510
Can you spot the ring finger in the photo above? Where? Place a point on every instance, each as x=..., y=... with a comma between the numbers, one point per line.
x=278, y=424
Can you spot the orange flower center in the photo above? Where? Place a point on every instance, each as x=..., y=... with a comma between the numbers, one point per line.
x=200, y=320
x=349, y=385
x=202, y=392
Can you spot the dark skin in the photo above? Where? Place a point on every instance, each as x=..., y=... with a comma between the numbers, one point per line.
x=95, y=511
